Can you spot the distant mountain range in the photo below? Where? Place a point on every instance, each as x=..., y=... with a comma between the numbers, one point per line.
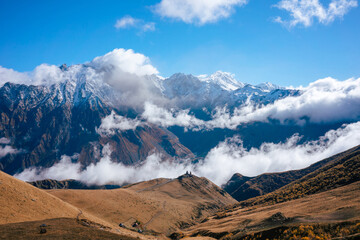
x=44, y=122
x=216, y=90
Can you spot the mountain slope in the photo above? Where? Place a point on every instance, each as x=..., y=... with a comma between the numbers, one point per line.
x=160, y=205
x=23, y=205
x=46, y=122
x=339, y=170
x=242, y=187
x=339, y=207
x=325, y=200
x=21, y=202
x=59, y=228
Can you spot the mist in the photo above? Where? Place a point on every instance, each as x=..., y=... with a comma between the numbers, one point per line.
x=219, y=165
x=5, y=147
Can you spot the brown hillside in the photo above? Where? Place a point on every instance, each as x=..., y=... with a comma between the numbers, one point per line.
x=339, y=170
x=242, y=188
x=331, y=207
x=59, y=228
x=160, y=205
x=21, y=203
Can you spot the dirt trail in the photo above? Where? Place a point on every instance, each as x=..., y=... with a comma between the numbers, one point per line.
x=78, y=216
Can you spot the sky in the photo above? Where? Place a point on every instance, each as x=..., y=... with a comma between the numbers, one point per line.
x=286, y=42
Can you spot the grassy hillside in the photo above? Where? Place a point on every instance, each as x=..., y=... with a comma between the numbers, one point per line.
x=59, y=228
x=337, y=206
x=323, y=204
x=339, y=170
x=159, y=205
x=23, y=208
x=242, y=188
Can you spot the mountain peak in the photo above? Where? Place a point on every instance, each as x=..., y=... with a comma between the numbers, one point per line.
x=267, y=86
x=225, y=80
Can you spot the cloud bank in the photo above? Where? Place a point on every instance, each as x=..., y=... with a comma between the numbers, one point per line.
x=230, y=156
x=219, y=165
x=304, y=12
x=197, y=11
x=105, y=171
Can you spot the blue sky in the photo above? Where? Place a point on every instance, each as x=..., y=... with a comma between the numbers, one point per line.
x=248, y=42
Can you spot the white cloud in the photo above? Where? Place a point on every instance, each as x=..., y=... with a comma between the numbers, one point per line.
x=220, y=163
x=43, y=74
x=305, y=11
x=110, y=124
x=130, y=22
x=126, y=61
x=5, y=148
x=127, y=72
x=106, y=171
x=125, y=22
x=9, y=75
x=197, y=11
x=166, y=118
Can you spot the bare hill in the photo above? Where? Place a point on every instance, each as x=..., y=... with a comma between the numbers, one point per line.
x=160, y=205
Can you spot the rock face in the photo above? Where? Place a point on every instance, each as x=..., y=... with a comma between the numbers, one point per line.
x=46, y=122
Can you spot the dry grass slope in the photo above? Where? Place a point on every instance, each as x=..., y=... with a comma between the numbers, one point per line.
x=334, y=206
x=340, y=170
x=160, y=205
x=21, y=203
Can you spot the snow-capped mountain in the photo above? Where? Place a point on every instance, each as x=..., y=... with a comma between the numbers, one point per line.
x=60, y=114
x=267, y=86
x=225, y=80
x=45, y=122
x=217, y=89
